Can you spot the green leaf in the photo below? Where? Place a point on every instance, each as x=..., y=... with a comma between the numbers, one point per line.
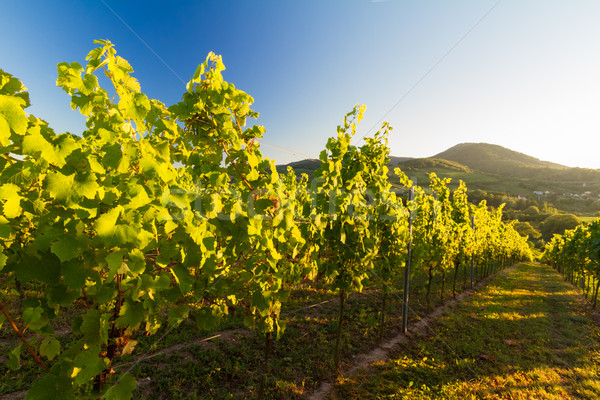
x=85, y=185
x=50, y=348
x=69, y=77
x=13, y=115
x=106, y=223
x=89, y=83
x=59, y=185
x=30, y=268
x=87, y=365
x=114, y=261
x=281, y=325
x=136, y=261
x=69, y=189
x=10, y=85
x=139, y=196
x=5, y=229
x=94, y=331
x=32, y=317
x=122, y=390
x=61, y=295
x=4, y=133
x=162, y=282
x=178, y=314
x=66, y=248
x=34, y=144
x=131, y=315
x=3, y=259
x=113, y=156
x=183, y=277
x=12, y=206
x=262, y=300
x=135, y=106
x=164, y=170
x=208, y=318
x=74, y=274
x=14, y=358
x=51, y=387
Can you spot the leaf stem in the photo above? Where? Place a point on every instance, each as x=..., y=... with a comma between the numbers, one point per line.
x=235, y=166
x=21, y=336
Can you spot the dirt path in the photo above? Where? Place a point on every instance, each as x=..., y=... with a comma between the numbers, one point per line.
x=420, y=328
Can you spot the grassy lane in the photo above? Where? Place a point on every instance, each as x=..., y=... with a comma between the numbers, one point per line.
x=527, y=335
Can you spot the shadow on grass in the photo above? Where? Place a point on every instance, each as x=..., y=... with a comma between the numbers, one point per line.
x=526, y=335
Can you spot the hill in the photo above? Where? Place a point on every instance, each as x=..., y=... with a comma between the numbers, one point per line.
x=493, y=168
x=512, y=165
x=420, y=163
x=496, y=168
x=493, y=158
x=503, y=176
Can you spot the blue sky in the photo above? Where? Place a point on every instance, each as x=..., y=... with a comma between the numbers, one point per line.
x=524, y=74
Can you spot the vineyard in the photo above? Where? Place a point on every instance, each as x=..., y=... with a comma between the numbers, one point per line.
x=576, y=255
x=161, y=226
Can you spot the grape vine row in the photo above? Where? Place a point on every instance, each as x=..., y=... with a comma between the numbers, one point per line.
x=158, y=214
x=576, y=255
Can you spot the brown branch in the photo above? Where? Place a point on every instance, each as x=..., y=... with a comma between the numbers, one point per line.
x=88, y=303
x=21, y=336
x=235, y=166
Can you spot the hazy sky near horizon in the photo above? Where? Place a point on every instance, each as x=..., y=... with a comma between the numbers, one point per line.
x=524, y=74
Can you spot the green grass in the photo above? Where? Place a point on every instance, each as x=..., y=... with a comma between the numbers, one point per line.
x=527, y=335
x=530, y=306
x=181, y=365
x=474, y=180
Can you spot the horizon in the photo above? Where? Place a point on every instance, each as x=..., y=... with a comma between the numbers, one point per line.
x=522, y=75
x=458, y=144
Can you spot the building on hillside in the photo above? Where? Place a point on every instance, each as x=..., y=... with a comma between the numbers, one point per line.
x=523, y=197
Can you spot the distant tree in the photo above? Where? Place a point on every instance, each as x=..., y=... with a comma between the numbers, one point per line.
x=525, y=229
x=532, y=214
x=558, y=223
x=521, y=204
x=531, y=210
x=475, y=196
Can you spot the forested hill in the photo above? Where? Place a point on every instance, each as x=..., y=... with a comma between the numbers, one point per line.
x=496, y=168
x=493, y=158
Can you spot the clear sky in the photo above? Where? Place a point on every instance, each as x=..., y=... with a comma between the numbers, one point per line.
x=524, y=74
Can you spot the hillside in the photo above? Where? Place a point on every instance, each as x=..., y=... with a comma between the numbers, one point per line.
x=529, y=172
x=492, y=158
x=489, y=167
x=494, y=168
x=429, y=163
